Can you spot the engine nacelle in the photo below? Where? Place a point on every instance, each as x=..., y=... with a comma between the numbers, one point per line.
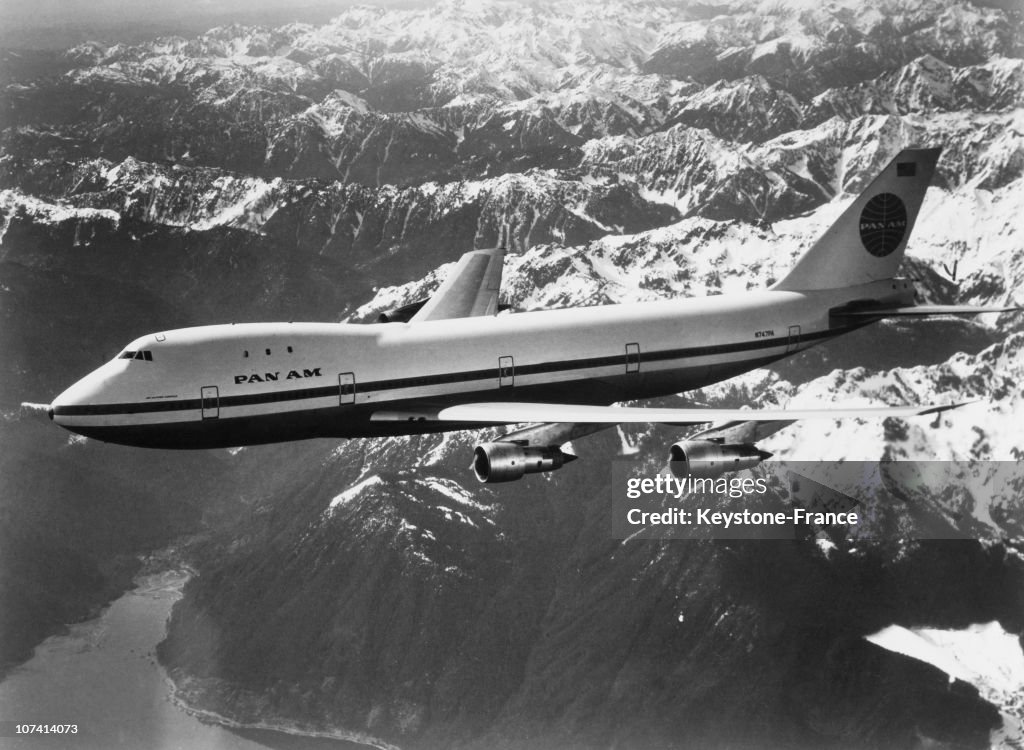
x=703, y=458
x=506, y=462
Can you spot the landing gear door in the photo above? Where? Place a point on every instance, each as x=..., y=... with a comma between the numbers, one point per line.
x=793, y=342
x=210, y=398
x=346, y=388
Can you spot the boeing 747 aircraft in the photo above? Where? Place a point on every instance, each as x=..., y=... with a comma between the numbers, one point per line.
x=451, y=363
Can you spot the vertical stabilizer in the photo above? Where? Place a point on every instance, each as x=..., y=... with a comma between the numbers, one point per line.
x=867, y=242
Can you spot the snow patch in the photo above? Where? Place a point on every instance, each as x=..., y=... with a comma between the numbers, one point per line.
x=353, y=492
x=982, y=655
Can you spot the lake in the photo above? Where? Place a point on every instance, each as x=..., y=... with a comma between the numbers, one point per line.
x=103, y=676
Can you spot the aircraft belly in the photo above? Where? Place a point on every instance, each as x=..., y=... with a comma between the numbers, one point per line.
x=212, y=433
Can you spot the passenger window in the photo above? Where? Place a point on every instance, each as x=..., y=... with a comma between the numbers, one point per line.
x=245, y=353
x=268, y=352
x=289, y=350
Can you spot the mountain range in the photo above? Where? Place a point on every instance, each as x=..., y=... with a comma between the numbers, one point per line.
x=621, y=151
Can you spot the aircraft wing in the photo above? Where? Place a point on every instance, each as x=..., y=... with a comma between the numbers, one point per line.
x=471, y=288
x=513, y=413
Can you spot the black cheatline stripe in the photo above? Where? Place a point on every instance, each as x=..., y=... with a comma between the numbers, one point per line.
x=443, y=378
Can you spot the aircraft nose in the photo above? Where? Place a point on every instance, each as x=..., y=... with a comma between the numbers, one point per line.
x=74, y=402
x=63, y=406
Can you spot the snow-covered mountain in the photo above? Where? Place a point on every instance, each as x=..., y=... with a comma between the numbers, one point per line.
x=622, y=151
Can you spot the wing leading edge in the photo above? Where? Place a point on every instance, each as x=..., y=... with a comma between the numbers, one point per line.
x=516, y=413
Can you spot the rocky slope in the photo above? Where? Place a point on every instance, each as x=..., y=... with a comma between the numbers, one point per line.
x=622, y=151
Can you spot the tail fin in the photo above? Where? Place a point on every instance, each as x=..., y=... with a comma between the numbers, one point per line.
x=867, y=242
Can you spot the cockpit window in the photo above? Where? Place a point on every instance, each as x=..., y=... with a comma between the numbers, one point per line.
x=143, y=355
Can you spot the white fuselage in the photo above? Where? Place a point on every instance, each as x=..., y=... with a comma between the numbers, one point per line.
x=228, y=385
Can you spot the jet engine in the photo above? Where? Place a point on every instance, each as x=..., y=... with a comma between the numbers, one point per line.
x=704, y=458
x=506, y=462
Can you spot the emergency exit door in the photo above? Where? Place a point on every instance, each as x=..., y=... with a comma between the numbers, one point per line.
x=506, y=372
x=346, y=388
x=793, y=341
x=632, y=358
x=210, y=400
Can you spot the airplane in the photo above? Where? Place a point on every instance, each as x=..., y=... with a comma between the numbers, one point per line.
x=452, y=363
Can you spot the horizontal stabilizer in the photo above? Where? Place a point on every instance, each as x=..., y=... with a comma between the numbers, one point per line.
x=514, y=413
x=920, y=310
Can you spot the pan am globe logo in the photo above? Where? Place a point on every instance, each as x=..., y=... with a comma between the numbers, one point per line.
x=883, y=223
